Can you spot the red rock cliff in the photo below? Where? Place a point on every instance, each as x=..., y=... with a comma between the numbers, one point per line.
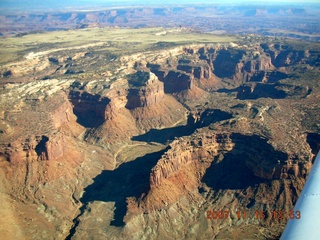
x=152, y=92
x=203, y=149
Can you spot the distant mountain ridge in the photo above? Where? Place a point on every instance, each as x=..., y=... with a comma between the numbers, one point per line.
x=274, y=20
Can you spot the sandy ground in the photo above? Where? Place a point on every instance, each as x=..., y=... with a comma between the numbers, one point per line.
x=9, y=226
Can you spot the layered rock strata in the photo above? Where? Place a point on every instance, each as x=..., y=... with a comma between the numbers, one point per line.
x=130, y=107
x=182, y=168
x=182, y=153
x=204, y=66
x=151, y=91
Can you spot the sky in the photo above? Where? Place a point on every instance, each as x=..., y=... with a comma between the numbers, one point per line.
x=88, y=2
x=12, y=5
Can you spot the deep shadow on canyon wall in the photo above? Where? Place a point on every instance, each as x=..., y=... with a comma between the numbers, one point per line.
x=130, y=179
x=234, y=171
x=209, y=116
x=89, y=108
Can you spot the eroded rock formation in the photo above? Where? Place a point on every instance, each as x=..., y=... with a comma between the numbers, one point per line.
x=182, y=153
x=203, y=66
x=81, y=151
x=183, y=166
x=151, y=91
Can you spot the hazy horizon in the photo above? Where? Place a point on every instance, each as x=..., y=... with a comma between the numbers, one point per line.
x=49, y=5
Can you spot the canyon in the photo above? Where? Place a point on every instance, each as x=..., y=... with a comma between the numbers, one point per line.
x=226, y=18
x=142, y=144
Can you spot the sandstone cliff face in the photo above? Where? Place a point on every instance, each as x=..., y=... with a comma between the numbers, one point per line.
x=40, y=154
x=106, y=117
x=89, y=108
x=17, y=152
x=268, y=163
x=206, y=65
x=55, y=147
x=63, y=117
x=213, y=170
x=36, y=148
x=189, y=159
x=263, y=64
x=34, y=141
x=182, y=153
x=181, y=169
x=60, y=138
x=175, y=81
x=198, y=72
x=184, y=77
x=149, y=104
x=130, y=107
x=238, y=64
x=226, y=62
x=283, y=55
x=151, y=93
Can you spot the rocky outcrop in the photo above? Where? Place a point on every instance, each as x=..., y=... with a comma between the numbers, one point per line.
x=64, y=115
x=226, y=62
x=283, y=171
x=150, y=93
x=89, y=108
x=259, y=64
x=42, y=148
x=185, y=84
x=232, y=153
x=268, y=163
x=130, y=107
x=17, y=152
x=24, y=67
x=263, y=64
x=119, y=124
x=63, y=59
x=182, y=153
x=54, y=148
x=149, y=106
x=177, y=81
x=238, y=64
x=184, y=165
x=283, y=55
x=259, y=70
x=45, y=117
x=198, y=72
x=204, y=66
